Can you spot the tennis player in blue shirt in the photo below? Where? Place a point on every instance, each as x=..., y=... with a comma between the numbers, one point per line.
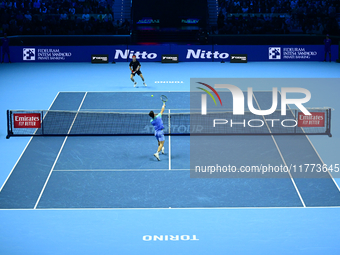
x=157, y=123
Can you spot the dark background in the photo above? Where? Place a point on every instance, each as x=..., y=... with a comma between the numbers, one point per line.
x=170, y=12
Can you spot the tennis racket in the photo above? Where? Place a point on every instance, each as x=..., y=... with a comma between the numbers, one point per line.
x=164, y=98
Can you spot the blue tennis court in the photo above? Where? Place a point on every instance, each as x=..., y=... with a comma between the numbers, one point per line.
x=113, y=172
x=108, y=193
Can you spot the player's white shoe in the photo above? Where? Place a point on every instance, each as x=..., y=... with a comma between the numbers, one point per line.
x=163, y=150
x=135, y=84
x=144, y=84
x=157, y=156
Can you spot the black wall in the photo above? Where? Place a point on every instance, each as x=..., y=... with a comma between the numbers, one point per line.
x=69, y=40
x=269, y=39
x=169, y=12
x=214, y=39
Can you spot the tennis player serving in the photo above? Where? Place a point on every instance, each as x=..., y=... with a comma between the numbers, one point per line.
x=157, y=123
x=135, y=69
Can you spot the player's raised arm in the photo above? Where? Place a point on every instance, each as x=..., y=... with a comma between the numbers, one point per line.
x=162, y=110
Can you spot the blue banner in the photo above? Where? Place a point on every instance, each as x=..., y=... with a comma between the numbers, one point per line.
x=59, y=53
x=186, y=53
x=277, y=53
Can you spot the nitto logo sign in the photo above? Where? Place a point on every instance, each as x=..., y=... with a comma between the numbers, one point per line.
x=139, y=55
x=274, y=52
x=203, y=54
x=29, y=54
x=238, y=99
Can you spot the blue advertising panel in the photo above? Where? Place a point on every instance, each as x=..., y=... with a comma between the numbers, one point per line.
x=186, y=53
x=277, y=53
x=60, y=53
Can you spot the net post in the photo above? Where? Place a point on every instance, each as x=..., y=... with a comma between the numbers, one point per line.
x=42, y=122
x=329, y=122
x=9, y=126
x=169, y=125
x=296, y=118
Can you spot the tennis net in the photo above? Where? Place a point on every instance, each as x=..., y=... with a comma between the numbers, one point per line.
x=73, y=123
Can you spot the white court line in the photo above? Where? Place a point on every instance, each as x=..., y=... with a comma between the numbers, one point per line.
x=170, y=154
x=322, y=161
x=238, y=170
x=169, y=142
x=3, y=185
x=55, y=161
x=121, y=109
x=176, y=208
x=118, y=170
x=316, y=151
x=278, y=149
x=22, y=153
x=155, y=91
x=188, y=110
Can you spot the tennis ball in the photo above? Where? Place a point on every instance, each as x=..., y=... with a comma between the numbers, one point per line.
x=151, y=95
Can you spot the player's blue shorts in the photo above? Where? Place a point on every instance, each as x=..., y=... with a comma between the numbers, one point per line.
x=327, y=50
x=159, y=135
